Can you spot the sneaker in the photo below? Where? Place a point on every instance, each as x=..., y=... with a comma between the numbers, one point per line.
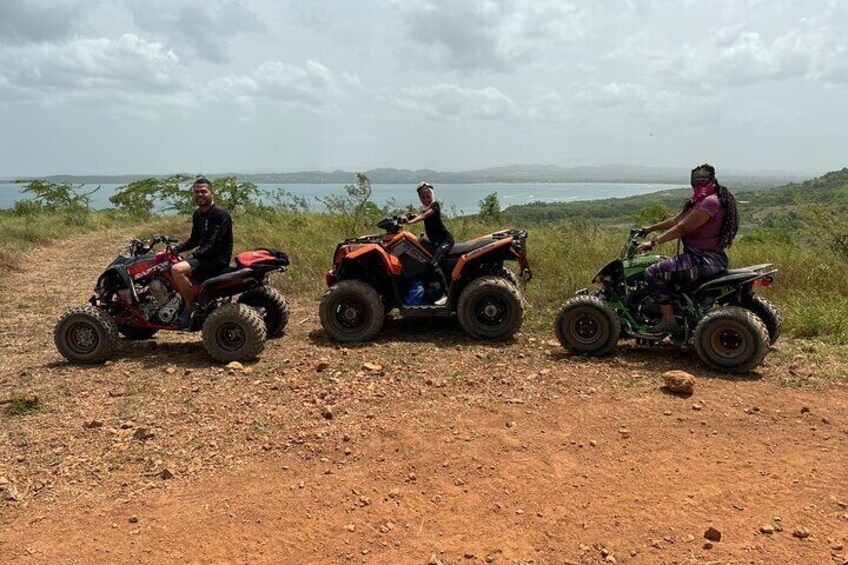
x=441, y=301
x=664, y=328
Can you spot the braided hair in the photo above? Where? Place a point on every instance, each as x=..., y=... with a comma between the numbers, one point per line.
x=730, y=223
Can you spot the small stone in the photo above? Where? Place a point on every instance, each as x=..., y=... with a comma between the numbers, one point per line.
x=373, y=367
x=625, y=433
x=805, y=410
x=593, y=443
x=708, y=545
x=170, y=370
x=696, y=407
x=235, y=366
x=327, y=412
x=143, y=434
x=93, y=424
x=133, y=520
x=510, y=424
x=321, y=367
x=350, y=527
x=679, y=381
x=712, y=534
x=801, y=532
x=166, y=474
x=767, y=529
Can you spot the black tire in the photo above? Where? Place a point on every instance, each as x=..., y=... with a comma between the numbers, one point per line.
x=490, y=308
x=133, y=332
x=586, y=325
x=352, y=311
x=85, y=335
x=234, y=332
x=273, y=304
x=731, y=339
x=768, y=314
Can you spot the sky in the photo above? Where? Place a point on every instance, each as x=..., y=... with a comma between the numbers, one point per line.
x=162, y=86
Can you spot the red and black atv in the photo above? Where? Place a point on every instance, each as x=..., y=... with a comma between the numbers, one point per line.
x=136, y=297
x=374, y=274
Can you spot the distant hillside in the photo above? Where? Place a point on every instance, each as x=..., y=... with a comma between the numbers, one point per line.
x=761, y=206
x=505, y=174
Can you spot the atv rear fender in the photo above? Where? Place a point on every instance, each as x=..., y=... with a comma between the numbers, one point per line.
x=226, y=285
x=499, y=250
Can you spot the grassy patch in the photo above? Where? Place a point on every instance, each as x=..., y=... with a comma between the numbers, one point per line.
x=21, y=404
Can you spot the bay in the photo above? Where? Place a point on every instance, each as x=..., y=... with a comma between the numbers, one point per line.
x=455, y=198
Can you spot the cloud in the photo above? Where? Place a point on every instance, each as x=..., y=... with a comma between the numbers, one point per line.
x=203, y=29
x=125, y=63
x=444, y=101
x=313, y=86
x=493, y=35
x=34, y=21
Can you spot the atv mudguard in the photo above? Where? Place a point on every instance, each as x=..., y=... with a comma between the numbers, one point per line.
x=391, y=262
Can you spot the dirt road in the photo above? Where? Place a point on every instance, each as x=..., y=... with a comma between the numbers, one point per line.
x=423, y=447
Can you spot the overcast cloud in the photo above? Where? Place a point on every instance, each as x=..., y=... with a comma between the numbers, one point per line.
x=119, y=86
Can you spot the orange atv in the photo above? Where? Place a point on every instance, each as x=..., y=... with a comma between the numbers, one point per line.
x=374, y=274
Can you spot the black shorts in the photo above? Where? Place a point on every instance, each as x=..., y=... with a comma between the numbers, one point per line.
x=203, y=269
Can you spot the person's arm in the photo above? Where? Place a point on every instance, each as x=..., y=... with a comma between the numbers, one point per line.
x=213, y=246
x=420, y=217
x=663, y=225
x=193, y=240
x=694, y=220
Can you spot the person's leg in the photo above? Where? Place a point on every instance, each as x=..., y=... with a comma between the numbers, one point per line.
x=182, y=278
x=660, y=277
x=441, y=250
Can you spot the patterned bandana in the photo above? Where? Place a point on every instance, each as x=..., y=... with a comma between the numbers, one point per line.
x=701, y=192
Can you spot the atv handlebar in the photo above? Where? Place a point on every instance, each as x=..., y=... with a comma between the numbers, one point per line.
x=144, y=246
x=636, y=235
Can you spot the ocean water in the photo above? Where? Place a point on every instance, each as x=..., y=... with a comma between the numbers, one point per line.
x=455, y=198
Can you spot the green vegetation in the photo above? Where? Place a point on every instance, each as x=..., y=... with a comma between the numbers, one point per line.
x=21, y=404
x=568, y=243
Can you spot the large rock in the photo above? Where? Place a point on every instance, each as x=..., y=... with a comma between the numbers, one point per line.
x=679, y=381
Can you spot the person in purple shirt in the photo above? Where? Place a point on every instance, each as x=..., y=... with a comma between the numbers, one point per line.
x=706, y=226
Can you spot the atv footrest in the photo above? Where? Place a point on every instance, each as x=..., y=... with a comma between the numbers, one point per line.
x=429, y=310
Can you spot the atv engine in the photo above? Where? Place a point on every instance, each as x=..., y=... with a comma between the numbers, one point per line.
x=158, y=301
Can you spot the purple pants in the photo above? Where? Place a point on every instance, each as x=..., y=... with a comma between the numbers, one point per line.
x=687, y=267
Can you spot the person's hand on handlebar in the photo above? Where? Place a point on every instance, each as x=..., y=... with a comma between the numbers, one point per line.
x=646, y=246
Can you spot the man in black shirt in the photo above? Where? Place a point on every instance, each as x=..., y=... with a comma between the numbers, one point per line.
x=439, y=239
x=212, y=241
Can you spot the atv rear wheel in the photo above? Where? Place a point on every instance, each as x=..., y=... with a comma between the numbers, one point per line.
x=768, y=314
x=234, y=332
x=510, y=276
x=731, y=339
x=585, y=324
x=85, y=335
x=274, y=307
x=490, y=308
x=352, y=311
x=134, y=332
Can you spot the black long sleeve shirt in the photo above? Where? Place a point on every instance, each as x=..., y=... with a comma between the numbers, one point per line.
x=211, y=235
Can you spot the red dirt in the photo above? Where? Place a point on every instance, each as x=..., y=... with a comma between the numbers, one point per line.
x=452, y=451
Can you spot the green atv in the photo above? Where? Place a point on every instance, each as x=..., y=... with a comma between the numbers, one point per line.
x=729, y=325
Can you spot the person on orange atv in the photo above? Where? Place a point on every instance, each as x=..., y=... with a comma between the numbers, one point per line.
x=438, y=239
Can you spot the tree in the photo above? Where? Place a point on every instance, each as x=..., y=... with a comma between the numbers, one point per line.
x=353, y=208
x=490, y=208
x=652, y=214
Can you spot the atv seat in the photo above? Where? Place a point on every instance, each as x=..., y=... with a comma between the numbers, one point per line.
x=464, y=247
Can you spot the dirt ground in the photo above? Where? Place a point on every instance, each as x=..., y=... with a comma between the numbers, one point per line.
x=423, y=447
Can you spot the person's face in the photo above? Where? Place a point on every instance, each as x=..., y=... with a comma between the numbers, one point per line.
x=202, y=195
x=426, y=196
x=701, y=177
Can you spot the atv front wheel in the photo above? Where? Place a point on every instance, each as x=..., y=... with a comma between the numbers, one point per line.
x=85, y=335
x=274, y=307
x=731, y=339
x=352, y=311
x=135, y=332
x=490, y=308
x=510, y=276
x=234, y=332
x=586, y=325
x=768, y=314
